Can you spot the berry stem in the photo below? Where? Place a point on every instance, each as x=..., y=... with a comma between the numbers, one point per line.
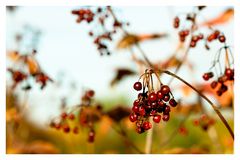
x=148, y=146
x=204, y=97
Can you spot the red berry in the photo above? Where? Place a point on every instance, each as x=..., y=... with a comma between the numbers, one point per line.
x=75, y=130
x=136, y=102
x=173, y=103
x=154, y=104
x=139, y=130
x=207, y=76
x=147, y=125
x=165, y=89
x=64, y=115
x=160, y=95
x=165, y=117
x=229, y=73
x=135, y=109
x=137, y=86
x=71, y=116
x=167, y=109
x=133, y=117
x=141, y=111
x=152, y=113
x=193, y=44
x=166, y=97
x=214, y=84
x=152, y=97
x=161, y=103
x=90, y=93
x=222, y=38
x=66, y=128
x=157, y=118
x=91, y=136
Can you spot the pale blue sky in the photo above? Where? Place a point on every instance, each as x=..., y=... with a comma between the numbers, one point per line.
x=66, y=47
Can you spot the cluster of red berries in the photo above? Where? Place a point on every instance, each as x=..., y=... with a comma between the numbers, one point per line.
x=17, y=76
x=183, y=34
x=84, y=15
x=204, y=122
x=195, y=39
x=176, y=22
x=227, y=76
x=103, y=16
x=151, y=104
x=87, y=114
x=216, y=35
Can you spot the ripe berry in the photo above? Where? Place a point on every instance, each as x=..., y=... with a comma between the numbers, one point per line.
x=141, y=111
x=66, y=128
x=172, y=102
x=147, y=125
x=160, y=95
x=161, y=103
x=166, y=97
x=152, y=113
x=157, y=118
x=91, y=136
x=214, y=84
x=152, y=97
x=223, y=88
x=64, y=115
x=229, y=73
x=90, y=93
x=222, y=38
x=207, y=76
x=71, y=116
x=165, y=117
x=136, y=102
x=75, y=130
x=193, y=44
x=154, y=104
x=133, y=117
x=137, y=86
x=135, y=109
x=139, y=130
x=167, y=109
x=165, y=89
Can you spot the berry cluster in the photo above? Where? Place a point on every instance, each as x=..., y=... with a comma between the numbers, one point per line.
x=86, y=114
x=151, y=103
x=84, y=15
x=183, y=34
x=227, y=76
x=176, y=22
x=204, y=122
x=195, y=39
x=103, y=16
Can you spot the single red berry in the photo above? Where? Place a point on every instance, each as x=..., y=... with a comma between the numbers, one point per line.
x=222, y=38
x=193, y=44
x=223, y=88
x=165, y=117
x=139, y=130
x=91, y=136
x=167, y=109
x=173, y=103
x=161, y=103
x=165, y=89
x=214, y=84
x=207, y=76
x=135, y=109
x=136, y=102
x=141, y=111
x=152, y=97
x=147, y=125
x=196, y=122
x=152, y=112
x=58, y=126
x=154, y=104
x=133, y=117
x=219, y=92
x=71, y=116
x=66, y=128
x=160, y=95
x=157, y=118
x=229, y=72
x=90, y=93
x=75, y=130
x=166, y=97
x=64, y=115
x=137, y=86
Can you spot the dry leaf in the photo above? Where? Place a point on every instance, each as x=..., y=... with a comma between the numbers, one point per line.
x=221, y=19
x=33, y=66
x=13, y=56
x=131, y=39
x=120, y=74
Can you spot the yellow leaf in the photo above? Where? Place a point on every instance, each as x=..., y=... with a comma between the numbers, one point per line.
x=33, y=66
x=13, y=55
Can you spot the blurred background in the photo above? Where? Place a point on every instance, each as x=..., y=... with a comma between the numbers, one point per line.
x=66, y=53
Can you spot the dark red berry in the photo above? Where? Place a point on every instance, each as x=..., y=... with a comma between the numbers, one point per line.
x=75, y=130
x=172, y=102
x=91, y=136
x=147, y=125
x=193, y=44
x=137, y=86
x=166, y=97
x=135, y=109
x=71, y=116
x=90, y=93
x=139, y=130
x=152, y=112
x=152, y=97
x=141, y=111
x=207, y=76
x=133, y=117
x=136, y=102
x=154, y=104
x=64, y=115
x=223, y=88
x=167, y=109
x=214, y=84
x=66, y=128
x=160, y=95
x=161, y=103
x=222, y=38
x=165, y=89
x=165, y=117
x=157, y=118
x=229, y=73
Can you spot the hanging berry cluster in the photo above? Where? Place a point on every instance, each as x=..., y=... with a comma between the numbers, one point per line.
x=204, y=122
x=110, y=26
x=221, y=77
x=26, y=67
x=151, y=103
x=83, y=115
